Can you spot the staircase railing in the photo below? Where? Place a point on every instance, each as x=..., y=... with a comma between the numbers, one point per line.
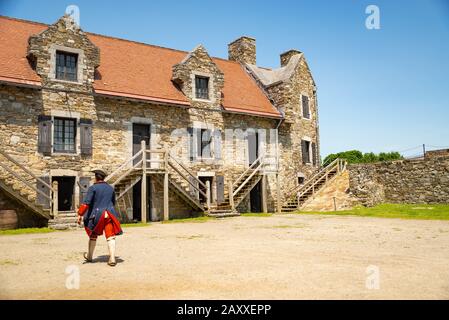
x=161, y=161
x=27, y=178
x=240, y=182
x=190, y=178
x=297, y=191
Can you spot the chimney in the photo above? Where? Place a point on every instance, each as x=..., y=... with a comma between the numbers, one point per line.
x=286, y=56
x=243, y=50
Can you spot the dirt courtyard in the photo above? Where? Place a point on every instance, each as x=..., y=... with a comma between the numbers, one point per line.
x=277, y=257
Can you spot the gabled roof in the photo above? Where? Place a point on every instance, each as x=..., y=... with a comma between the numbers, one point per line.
x=132, y=69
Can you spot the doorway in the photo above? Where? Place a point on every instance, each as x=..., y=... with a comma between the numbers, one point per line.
x=66, y=187
x=137, y=200
x=204, y=180
x=256, y=198
x=253, y=146
x=140, y=132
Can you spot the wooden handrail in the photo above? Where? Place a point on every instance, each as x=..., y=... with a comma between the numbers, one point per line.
x=7, y=156
x=123, y=165
x=186, y=178
x=25, y=181
x=170, y=157
x=311, y=182
x=250, y=176
x=248, y=169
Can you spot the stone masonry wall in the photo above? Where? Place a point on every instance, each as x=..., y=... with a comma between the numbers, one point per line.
x=405, y=181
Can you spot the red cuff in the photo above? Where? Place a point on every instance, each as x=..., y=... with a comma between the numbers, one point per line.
x=83, y=209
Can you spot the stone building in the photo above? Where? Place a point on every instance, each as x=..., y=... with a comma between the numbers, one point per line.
x=71, y=101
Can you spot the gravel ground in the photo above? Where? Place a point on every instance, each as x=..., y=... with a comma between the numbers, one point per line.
x=278, y=257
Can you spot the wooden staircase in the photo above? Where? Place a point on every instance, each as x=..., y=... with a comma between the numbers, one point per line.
x=22, y=185
x=239, y=190
x=157, y=163
x=299, y=195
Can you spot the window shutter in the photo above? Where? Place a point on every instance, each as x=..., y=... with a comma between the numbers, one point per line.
x=305, y=107
x=198, y=142
x=192, y=149
x=206, y=143
x=220, y=189
x=44, y=135
x=86, y=136
x=43, y=201
x=304, y=151
x=217, y=144
x=84, y=185
x=314, y=155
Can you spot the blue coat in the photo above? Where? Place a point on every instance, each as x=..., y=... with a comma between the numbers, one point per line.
x=100, y=198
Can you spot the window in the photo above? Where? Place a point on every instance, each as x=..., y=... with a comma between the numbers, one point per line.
x=66, y=66
x=305, y=107
x=305, y=148
x=202, y=87
x=64, y=135
x=301, y=180
x=206, y=140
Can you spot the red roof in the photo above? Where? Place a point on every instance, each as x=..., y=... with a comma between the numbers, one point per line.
x=131, y=69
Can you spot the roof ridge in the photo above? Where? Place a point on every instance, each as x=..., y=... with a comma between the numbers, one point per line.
x=116, y=38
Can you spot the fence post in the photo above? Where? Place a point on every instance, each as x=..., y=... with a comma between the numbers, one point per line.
x=55, y=199
x=208, y=194
x=231, y=195
x=166, y=199
x=143, y=204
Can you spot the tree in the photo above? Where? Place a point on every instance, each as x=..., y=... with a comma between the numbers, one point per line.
x=355, y=156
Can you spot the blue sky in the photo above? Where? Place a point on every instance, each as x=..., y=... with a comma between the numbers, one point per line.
x=378, y=90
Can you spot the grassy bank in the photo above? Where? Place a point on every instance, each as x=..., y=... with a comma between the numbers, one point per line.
x=25, y=231
x=404, y=211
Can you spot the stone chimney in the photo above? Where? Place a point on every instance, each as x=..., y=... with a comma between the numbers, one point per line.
x=243, y=50
x=285, y=57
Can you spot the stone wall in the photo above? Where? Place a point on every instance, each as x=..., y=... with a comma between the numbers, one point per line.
x=405, y=181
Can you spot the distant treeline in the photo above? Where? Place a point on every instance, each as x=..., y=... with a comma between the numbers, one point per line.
x=355, y=156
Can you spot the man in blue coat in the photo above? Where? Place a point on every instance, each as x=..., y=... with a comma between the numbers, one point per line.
x=100, y=216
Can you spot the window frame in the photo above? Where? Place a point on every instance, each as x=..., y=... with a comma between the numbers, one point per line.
x=63, y=138
x=65, y=73
x=198, y=93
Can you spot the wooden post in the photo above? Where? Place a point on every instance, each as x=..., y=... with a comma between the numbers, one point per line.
x=55, y=199
x=264, y=194
x=231, y=195
x=144, y=195
x=208, y=194
x=166, y=213
x=278, y=194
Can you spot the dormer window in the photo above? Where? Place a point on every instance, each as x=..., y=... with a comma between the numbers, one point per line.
x=66, y=66
x=202, y=87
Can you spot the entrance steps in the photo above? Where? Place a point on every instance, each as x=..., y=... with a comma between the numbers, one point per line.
x=64, y=220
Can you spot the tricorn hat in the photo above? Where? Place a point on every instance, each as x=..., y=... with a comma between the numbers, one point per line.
x=100, y=172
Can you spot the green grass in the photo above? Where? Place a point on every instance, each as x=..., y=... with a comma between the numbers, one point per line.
x=251, y=214
x=196, y=220
x=25, y=231
x=134, y=225
x=403, y=211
